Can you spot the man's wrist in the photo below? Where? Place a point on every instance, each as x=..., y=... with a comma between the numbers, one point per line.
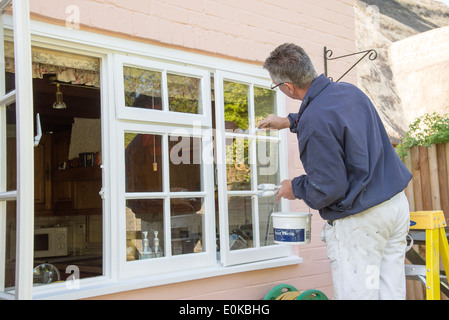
x=287, y=123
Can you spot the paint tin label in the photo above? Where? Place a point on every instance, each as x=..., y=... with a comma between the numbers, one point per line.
x=289, y=235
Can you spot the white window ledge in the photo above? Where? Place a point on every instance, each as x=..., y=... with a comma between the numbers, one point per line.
x=103, y=286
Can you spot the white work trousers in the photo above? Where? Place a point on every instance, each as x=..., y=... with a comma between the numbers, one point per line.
x=367, y=252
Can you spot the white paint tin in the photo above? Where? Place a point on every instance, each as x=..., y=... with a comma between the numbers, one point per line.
x=292, y=227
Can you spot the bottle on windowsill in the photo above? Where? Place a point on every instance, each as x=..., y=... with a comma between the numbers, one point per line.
x=146, y=250
x=157, y=250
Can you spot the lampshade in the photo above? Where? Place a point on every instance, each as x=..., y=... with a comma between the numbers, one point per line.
x=59, y=103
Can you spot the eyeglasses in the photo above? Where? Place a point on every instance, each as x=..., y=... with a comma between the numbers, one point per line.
x=274, y=86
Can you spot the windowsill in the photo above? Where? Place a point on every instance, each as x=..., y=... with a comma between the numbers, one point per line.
x=104, y=286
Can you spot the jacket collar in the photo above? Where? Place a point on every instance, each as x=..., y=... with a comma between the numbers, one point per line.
x=318, y=85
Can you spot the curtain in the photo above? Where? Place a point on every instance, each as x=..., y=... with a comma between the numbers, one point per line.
x=67, y=67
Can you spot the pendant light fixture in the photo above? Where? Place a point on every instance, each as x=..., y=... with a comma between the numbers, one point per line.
x=59, y=103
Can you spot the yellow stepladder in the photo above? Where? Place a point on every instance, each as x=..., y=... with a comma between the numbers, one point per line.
x=434, y=223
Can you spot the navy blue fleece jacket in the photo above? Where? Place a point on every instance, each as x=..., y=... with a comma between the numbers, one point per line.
x=346, y=153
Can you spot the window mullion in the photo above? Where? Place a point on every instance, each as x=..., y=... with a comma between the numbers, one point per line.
x=252, y=141
x=221, y=167
x=253, y=166
x=255, y=206
x=166, y=189
x=167, y=228
x=165, y=102
x=256, y=224
x=209, y=226
x=251, y=110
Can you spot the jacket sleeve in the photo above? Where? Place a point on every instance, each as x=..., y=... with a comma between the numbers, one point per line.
x=292, y=118
x=325, y=182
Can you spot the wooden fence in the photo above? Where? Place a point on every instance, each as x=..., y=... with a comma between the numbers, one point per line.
x=428, y=190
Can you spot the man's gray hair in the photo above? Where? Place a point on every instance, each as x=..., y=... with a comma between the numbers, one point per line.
x=290, y=63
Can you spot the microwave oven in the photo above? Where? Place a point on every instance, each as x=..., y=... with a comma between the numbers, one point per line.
x=50, y=242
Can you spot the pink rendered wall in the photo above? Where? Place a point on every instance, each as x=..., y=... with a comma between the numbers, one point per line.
x=246, y=30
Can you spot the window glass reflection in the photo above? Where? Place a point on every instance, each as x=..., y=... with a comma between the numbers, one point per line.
x=187, y=221
x=143, y=162
x=142, y=88
x=144, y=229
x=184, y=94
x=240, y=214
x=238, y=169
x=236, y=102
x=185, y=164
x=264, y=105
x=267, y=158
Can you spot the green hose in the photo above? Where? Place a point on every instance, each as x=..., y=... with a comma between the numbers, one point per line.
x=288, y=292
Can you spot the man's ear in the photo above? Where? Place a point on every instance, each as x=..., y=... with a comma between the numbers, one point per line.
x=289, y=86
x=294, y=92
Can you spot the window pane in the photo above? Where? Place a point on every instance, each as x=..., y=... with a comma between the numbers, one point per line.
x=144, y=229
x=185, y=164
x=267, y=173
x=264, y=105
x=10, y=267
x=187, y=219
x=236, y=101
x=240, y=215
x=143, y=162
x=11, y=148
x=267, y=205
x=238, y=169
x=9, y=66
x=184, y=94
x=142, y=88
x=268, y=162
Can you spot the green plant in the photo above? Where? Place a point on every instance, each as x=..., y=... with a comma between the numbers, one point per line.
x=428, y=129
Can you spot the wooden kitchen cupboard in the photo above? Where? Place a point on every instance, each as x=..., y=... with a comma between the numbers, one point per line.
x=75, y=189
x=59, y=189
x=42, y=172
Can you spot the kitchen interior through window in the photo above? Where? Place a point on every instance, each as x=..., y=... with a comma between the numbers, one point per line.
x=67, y=164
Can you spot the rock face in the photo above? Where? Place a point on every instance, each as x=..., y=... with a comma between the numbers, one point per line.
x=394, y=28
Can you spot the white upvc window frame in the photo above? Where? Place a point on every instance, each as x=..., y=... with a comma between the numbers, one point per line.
x=165, y=123
x=4, y=195
x=169, y=262
x=24, y=195
x=258, y=252
x=161, y=116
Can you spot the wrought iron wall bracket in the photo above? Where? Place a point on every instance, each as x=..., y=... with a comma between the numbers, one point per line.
x=371, y=53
